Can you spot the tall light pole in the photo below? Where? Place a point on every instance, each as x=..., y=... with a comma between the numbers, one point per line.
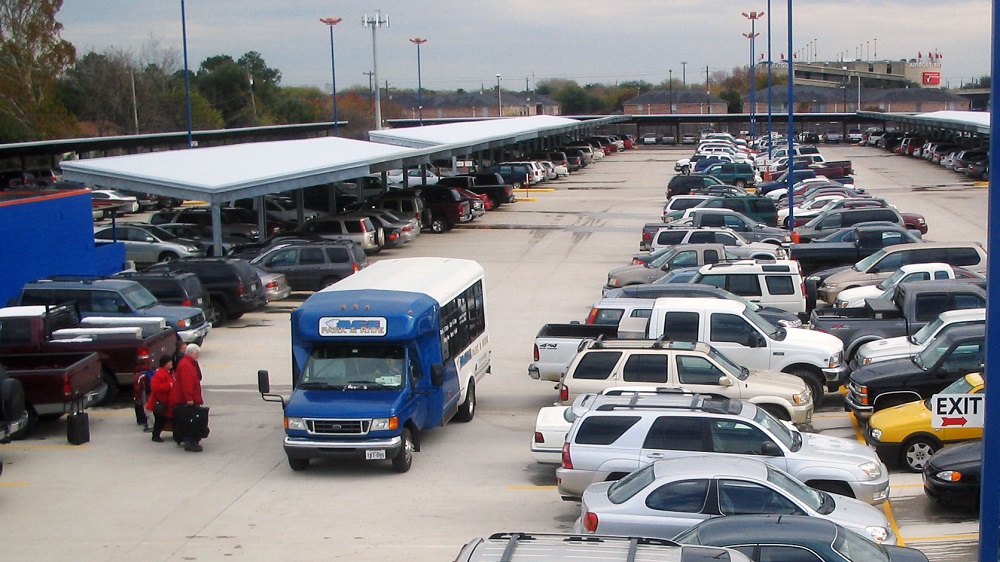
x=770, y=85
x=499, y=99
x=187, y=80
x=376, y=21
x=420, y=95
x=684, y=72
x=333, y=70
x=752, y=16
x=671, y=82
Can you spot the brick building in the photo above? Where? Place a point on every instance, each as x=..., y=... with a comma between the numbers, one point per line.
x=471, y=104
x=823, y=99
x=663, y=102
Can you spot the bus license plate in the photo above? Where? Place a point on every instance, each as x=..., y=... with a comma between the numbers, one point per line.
x=375, y=454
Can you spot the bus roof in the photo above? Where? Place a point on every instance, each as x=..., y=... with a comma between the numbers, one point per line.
x=440, y=278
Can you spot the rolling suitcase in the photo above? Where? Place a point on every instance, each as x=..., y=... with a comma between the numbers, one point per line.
x=190, y=422
x=78, y=428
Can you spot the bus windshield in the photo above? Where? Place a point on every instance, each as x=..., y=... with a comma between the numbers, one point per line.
x=345, y=367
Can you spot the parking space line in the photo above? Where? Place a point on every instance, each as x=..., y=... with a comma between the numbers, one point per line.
x=532, y=487
x=887, y=508
x=29, y=447
x=857, y=430
x=973, y=536
x=15, y=484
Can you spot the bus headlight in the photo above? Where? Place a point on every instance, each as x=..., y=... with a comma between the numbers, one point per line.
x=295, y=423
x=384, y=424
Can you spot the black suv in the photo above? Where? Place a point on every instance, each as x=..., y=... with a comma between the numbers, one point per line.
x=233, y=286
x=310, y=266
x=184, y=289
x=684, y=184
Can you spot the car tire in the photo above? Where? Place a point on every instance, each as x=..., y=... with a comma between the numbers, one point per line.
x=685, y=170
x=776, y=411
x=11, y=399
x=167, y=256
x=740, y=183
x=221, y=316
x=404, y=458
x=438, y=225
x=298, y=465
x=517, y=185
x=467, y=409
x=110, y=379
x=916, y=452
x=493, y=203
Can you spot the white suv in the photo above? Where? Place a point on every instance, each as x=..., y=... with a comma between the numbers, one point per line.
x=612, y=436
x=776, y=283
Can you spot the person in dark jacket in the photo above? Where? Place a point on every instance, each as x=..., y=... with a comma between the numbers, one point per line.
x=187, y=391
x=161, y=390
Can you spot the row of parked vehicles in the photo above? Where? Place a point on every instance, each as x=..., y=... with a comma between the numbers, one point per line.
x=707, y=356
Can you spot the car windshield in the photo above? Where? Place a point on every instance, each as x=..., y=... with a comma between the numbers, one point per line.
x=871, y=260
x=788, y=438
x=928, y=357
x=737, y=371
x=929, y=329
x=960, y=386
x=138, y=297
x=813, y=498
x=892, y=280
x=663, y=258
x=622, y=490
x=852, y=546
x=348, y=367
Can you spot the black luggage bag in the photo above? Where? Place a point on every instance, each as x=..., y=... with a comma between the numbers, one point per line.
x=78, y=428
x=190, y=422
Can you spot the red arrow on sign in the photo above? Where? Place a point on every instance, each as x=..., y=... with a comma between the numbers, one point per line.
x=945, y=422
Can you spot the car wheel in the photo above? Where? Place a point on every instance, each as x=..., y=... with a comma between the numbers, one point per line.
x=517, y=185
x=492, y=203
x=916, y=453
x=111, y=380
x=685, y=170
x=219, y=311
x=467, y=409
x=298, y=464
x=740, y=184
x=438, y=225
x=29, y=426
x=11, y=399
x=404, y=458
x=167, y=256
x=814, y=381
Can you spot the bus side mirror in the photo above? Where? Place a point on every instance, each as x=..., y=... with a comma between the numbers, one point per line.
x=263, y=382
x=437, y=374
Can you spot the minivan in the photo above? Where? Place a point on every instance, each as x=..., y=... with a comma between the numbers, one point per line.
x=356, y=228
x=311, y=266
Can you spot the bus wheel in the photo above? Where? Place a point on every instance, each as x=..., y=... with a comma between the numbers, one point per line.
x=402, y=461
x=467, y=409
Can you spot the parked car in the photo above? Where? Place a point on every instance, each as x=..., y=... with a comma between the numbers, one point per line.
x=275, y=284
x=905, y=433
x=176, y=288
x=233, y=286
x=148, y=244
x=683, y=184
x=123, y=204
x=773, y=538
x=737, y=174
x=415, y=176
x=677, y=256
x=203, y=235
x=518, y=175
x=670, y=496
x=234, y=222
x=759, y=209
x=409, y=228
x=910, y=345
x=853, y=298
x=774, y=283
x=356, y=228
x=649, y=138
x=734, y=220
x=953, y=476
x=735, y=244
x=621, y=303
x=832, y=219
x=311, y=266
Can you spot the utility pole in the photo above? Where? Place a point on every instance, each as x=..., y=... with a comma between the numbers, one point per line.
x=374, y=22
x=371, y=92
x=684, y=73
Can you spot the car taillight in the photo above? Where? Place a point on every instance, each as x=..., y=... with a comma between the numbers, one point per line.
x=590, y=522
x=636, y=261
x=393, y=236
x=563, y=393
x=145, y=358
x=67, y=386
x=356, y=267
x=647, y=236
x=186, y=302
x=272, y=285
x=240, y=289
x=567, y=462
x=539, y=438
x=592, y=317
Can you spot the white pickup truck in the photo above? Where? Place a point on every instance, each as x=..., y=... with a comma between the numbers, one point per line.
x=855, y=297
x=728, y=326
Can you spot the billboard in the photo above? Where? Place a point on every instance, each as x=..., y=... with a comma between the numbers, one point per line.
x=931, y=78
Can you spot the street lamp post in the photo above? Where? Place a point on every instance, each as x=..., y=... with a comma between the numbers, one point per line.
x=420, y=92
x=499, y=99
x=684, y=72
x=333, y=71
x=671, y=82
x=770, y=85
x=187, y=80
x=375, y=22
x=752, y=16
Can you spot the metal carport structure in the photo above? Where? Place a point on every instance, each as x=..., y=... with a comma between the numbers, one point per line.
x=963, y=123
x=224, y=173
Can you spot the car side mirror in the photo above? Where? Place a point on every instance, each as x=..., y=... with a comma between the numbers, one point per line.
x=770, y=449
x=437, y=374
x=725, y=381
x=757, y=340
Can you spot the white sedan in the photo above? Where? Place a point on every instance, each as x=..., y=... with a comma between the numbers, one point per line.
x=414, y=177
x=125, y=203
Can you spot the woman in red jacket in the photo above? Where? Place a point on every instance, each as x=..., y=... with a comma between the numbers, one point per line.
x=161, y=390
x=188, y=389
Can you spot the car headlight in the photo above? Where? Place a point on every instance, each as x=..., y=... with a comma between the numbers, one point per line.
x=949, y=475
x=836, y=359
x=295, y=423
x=191, y=248
x=872, y=469
x=791, y=323
x=786, y=238
x=876, y=434
x=813, y=278
x=840, y=304
x=383, y=424
x=878, y=534
x=801, y=398
x=613, y=282
x=184, y=323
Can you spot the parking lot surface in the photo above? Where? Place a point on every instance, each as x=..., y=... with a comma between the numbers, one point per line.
x=123, y=497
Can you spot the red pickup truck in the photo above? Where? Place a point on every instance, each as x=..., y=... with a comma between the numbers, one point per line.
x=55, y=384
x=124, y=345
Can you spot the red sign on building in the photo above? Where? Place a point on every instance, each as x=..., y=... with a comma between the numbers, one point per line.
x=932, y=78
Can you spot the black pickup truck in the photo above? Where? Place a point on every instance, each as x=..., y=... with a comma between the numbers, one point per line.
x=913, y=305
x=848, y=246
x=488, y=184
x=954, y=353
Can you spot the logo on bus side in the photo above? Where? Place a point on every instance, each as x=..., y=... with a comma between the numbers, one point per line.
x=352, y=326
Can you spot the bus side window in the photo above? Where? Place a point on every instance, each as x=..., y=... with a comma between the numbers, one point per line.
x=415, y=372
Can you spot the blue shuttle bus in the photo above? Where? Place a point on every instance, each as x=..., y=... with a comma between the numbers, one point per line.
x=381, y=356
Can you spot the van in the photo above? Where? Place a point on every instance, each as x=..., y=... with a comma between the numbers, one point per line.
x=311, y=266
x=403, y=205
x=776, y=283
x=356, y=228
x=757, y=207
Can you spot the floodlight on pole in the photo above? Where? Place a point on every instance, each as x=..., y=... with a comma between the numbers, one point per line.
x=187, y=80
x=499, y=99
x=684, y=73
x=333, y=70
x=374, y=22
x=420, y=95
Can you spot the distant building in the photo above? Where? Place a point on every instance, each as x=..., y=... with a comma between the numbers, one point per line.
x=923, y=72
x=850, y=99
x=474, y=104
x=664, y=102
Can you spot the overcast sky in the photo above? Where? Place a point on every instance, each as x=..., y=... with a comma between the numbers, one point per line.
x=469, y=42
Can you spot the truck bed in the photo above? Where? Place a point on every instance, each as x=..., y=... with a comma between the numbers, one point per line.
x=556, y=344
x=44, y=377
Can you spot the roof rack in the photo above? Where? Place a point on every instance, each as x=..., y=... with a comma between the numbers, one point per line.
x=713, y=403
x=515, y=539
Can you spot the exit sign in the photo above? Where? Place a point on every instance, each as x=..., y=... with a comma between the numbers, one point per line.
x=957, y=410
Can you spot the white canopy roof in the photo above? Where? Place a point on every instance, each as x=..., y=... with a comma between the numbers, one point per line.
x=476, y=133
